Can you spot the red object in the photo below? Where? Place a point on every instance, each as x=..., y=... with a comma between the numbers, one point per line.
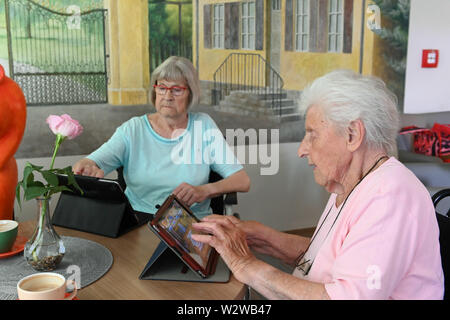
x=13, y=115
x=430, y=58
x=67, y=294
x=431, y=142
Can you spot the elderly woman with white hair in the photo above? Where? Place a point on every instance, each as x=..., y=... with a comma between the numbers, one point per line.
x=377, y=237
x=149, y=147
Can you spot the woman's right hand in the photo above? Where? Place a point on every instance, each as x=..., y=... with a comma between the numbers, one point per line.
x=87, y=167
x=266, y=240
x=257, y=234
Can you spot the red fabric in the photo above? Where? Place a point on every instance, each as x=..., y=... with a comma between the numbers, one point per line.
x=432, y=142
x=443, y=133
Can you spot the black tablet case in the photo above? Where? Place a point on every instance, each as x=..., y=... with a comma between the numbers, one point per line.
x=102, y=209
x=164, y=264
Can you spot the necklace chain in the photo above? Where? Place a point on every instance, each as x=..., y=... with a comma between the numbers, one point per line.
x=298, y=262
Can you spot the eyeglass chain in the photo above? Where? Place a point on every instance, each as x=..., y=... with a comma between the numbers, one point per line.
x=300, y=257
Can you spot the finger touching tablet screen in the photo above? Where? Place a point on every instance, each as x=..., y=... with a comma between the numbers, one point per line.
x=173, y=224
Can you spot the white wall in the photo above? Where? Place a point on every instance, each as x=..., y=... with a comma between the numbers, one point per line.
x=287, y=200
x=427, y=90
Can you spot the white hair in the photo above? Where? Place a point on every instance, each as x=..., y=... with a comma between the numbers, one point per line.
x=177, y=68
x=345, y=96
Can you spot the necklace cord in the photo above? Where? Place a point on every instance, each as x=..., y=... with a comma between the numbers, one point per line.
x=300, y=257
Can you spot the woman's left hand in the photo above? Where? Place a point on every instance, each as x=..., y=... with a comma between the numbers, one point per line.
x=228, y=240
x=190, y=194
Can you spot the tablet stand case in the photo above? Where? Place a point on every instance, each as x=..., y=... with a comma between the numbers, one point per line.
x=99, y=216
x=164, y=264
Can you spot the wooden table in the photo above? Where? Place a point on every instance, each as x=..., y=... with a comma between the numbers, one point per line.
x=131, y=253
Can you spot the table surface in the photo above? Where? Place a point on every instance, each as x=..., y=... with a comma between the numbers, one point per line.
x=131, y=253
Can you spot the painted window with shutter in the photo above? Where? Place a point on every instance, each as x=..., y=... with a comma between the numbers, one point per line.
x=232, y=25
x=335, y=25
x=218, y=26
x=207, y=36
x=302, y=25
x=248, y=25
x=276, y=5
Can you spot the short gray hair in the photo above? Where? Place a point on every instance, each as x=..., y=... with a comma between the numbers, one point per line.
x=177, y=68
x=345, y=96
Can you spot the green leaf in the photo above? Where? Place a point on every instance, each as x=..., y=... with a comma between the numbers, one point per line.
x=35, y=168
x=58, y=189
x=70, y=178
x=18, y=195
x=51, y=178
x=36, y=184
x=28, y=181
x=67, y=169
x=26, y=173
x=34, y=192
x=72, y=181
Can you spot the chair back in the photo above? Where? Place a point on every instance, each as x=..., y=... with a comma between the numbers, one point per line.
x=217, y=203
x=444, y=240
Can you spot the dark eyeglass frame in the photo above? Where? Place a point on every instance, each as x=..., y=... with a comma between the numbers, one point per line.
x=170, y=89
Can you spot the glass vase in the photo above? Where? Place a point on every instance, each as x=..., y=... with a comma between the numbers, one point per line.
x=45, y=249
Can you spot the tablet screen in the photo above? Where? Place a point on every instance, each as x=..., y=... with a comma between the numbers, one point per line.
x=177, y=222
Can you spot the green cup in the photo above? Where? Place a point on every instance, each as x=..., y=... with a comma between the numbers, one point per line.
x=8, y=234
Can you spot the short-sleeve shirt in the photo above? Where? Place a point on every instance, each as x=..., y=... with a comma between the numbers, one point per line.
x=384, y=243
x=154, y=166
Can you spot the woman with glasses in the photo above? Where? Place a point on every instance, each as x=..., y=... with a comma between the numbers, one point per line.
x=377, y=237
x=172, y=150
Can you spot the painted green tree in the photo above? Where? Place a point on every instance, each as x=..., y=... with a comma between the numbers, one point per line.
x=186, y=20
x=164, y=31
x=394, y=32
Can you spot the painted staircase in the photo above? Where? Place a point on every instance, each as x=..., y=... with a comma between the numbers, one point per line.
x=275, y=106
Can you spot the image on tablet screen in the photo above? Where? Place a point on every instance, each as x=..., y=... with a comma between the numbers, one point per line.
x=178, y=223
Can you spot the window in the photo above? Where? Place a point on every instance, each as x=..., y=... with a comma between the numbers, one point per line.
x=302, y=25
x=218, y=26
x=276, y=5
x=248, y=25
x=335, y=25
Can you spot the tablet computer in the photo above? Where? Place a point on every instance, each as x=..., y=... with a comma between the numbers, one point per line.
x=98, y=188
x=102, y=208
x=172, y=223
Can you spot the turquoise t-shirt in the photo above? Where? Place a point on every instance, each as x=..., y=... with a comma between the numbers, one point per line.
x=154, y=166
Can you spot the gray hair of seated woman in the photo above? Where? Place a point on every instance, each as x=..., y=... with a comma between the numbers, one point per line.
x=345, y=96
x=174, y=69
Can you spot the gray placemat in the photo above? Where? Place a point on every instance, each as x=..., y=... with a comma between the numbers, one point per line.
x=92, y=259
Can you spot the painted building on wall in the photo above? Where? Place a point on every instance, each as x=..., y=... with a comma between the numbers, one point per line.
x=300, y=39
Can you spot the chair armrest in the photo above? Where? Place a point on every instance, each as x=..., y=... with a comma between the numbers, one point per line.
x=230, y=198
x=438, y=196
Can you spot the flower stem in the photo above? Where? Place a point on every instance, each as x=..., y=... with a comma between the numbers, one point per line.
x=59, y=139
x=43, y=210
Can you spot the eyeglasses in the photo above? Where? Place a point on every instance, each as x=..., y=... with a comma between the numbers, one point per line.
x=175, y=90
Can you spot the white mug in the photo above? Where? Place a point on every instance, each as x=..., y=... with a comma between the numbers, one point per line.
x=45, y=286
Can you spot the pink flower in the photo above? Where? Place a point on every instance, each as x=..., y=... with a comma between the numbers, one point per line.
x=65, y=126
